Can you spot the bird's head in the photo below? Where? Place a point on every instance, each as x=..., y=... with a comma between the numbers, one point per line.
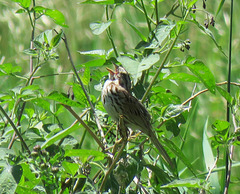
x=121, y=75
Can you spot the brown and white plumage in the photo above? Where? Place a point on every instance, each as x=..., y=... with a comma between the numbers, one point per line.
x=118, y=101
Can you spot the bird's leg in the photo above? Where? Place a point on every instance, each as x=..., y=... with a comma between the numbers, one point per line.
x=124, y=132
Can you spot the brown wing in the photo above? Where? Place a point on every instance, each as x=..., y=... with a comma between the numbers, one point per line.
x=135, y=114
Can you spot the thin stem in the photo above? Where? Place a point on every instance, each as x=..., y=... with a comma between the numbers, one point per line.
x=15, y=129
x=109, y=33
x=156, y=11
x=84, y=90
x=146, y=15
x=85, y=126
x=229, y=162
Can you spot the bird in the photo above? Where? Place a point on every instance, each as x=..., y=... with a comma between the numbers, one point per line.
x=119, y=102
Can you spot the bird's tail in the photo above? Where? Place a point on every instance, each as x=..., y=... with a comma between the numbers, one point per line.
x=161, y=149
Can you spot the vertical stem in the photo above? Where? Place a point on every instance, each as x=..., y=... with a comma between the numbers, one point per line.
x=156, y=11
x=146, y=15
x=229, y=154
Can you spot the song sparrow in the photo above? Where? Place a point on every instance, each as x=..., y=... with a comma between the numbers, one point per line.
x=119, y=102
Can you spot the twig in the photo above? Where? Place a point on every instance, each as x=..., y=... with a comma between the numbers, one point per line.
x=85, y=92
x=15, y=129
x=85, y=126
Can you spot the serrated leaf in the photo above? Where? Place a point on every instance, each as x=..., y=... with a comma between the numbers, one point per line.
x=137, y=32
x=203, y=73
x=57, y=16
x=99, y=27
x=161, y=33
x=62, y=98
x=85, y=154
x=56, y=39
x=79, y=94
x=183, y=77
x=86, y=76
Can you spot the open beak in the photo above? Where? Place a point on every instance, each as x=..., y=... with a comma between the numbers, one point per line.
x=110, y=71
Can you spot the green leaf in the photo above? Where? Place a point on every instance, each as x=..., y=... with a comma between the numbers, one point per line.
x=21, y=11
x=102, y=2
x=59, y=136
x=220, y=7
x=209, y=160
x=93, y=63
x=85, y=154
x=8, y=69
x=172, y=126
x=86, y=76
x=135, y=68
x=220, y=126
x=190, y=183
x=97, y=53
x=70, y=168
x=173, y=110
x=56, y=39
x=79, y=94
x=183, y=77
x=161, y=33
x=23, y=3
x=203, y=73
x=99, y=27
x=144, y=38
x=192, y=3
x=225, y=94
x=7, y=182
x=57, y=16
x=62, y=98
x=42, y=103
x=39, y=9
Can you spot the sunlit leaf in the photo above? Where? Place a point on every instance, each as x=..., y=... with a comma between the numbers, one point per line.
x=190, y=183
x=137, y=31
x=99, y=27
x=62, y=98
x=56, y=39
x=85, y=154
x=183, y=77
x=203, y=73
x=57, y=16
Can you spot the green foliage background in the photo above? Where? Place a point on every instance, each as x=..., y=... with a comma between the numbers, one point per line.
x=15, y=35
